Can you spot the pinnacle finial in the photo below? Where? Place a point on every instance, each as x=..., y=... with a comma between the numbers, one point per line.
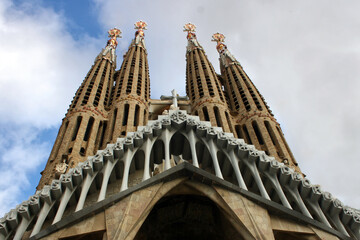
x=190, y=28
x=140, y=25
x=139, y=34
x=219, y=38
x=113, y=34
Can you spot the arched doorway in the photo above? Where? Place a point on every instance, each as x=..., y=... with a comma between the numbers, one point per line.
x=190, y=217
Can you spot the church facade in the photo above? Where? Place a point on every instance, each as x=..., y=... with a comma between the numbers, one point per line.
x=210, y=165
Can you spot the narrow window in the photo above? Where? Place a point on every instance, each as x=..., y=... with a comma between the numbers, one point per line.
x=113, y=124
x=247, y=134
x=103, y=134
x=229, y=122
x=206, y=114
x=145, y=119
x=238, y=131
x=136, y=117
x=82, y=151
x=258, y=133
x=98, y=135
x=217, y=116
x=270, y=132
x=76, y=130
x=88, y=129
x=126, y=115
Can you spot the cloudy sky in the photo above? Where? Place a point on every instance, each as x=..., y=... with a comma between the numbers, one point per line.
x=303, y=56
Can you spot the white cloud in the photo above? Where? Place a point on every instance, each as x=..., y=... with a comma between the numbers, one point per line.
x=21, y=155
x=302, y=56
x=41, y=66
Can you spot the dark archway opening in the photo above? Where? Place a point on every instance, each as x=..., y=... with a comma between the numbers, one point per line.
x=188, y=217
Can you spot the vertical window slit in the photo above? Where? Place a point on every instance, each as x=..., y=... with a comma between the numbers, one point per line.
x=206, y=114
x=247, y=134
x=103, y=134
x=136, y=117
x=229, y=122
x=126, y=115
x=113, y=124
x=238, y=131
x=76, y=130
x=217, y=117
x=88, y=129
x=258, y=133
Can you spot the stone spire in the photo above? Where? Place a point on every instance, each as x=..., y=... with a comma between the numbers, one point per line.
x=80, y=133
x=253, y=119
x=131, y=90
x=202, y=84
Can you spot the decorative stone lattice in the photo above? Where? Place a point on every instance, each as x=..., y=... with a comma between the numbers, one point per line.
x=269, y=176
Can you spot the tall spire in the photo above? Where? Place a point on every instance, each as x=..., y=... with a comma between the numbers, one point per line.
x=131, y=90
x=81, y=130
x=202, y=84
x=254, y=121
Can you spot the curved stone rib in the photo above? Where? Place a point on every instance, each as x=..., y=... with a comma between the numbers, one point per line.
x=48, y=205
x=26, y=219
x=147, y=146
x=291, y=182
x=213, y=153
x=109, y=166
x=235, y=164
x=66, y=181
x=313, y=202
x=129, y=154
x=249, y=158
x=192, y=140
x=331, y=208
x=90, y=175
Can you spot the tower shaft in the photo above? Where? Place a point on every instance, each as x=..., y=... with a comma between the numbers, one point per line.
x=80, y=134
x=203, y=86
x=253, y=119
x=131, y=91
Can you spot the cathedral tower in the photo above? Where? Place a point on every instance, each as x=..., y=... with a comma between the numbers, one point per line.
x=203, y=86
x=81, y=131
x=253, y=119
x=131, y=92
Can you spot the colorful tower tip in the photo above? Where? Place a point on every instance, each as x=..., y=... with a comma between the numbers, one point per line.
x=141, y=25
x=189, y=27
x=218, y=37
x=113, y=34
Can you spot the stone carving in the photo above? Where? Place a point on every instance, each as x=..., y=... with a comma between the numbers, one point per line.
x=61, y=167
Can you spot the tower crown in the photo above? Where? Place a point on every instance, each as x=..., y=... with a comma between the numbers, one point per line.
x=139, y=34
x=226, y=58
x=109, y=51
x=191, y=37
